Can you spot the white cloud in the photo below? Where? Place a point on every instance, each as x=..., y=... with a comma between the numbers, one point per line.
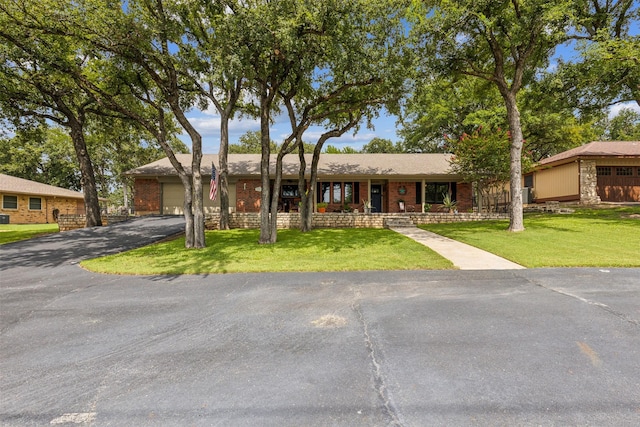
x=208, y=124
x=615, y=110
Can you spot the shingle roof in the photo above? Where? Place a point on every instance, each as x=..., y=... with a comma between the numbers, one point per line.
x=11, y=184
x=597, y=149
x=397, y=165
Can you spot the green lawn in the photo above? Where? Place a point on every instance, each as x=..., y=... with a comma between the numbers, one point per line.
x=15, y=232
x=586, y=238
x=237, y=251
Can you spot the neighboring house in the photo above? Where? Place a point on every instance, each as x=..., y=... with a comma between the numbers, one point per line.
x=392, y=182
x=30, y=202
x=607, y=171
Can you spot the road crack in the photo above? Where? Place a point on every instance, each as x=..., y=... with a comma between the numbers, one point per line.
x=379, y=380
x=597, y=304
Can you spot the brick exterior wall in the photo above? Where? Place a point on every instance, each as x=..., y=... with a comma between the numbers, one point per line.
x=396, y=190
x=24, y=215
x=464, y=196
x=146, y=196
x=247, y=198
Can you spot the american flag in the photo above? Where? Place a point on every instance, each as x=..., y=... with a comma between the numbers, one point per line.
x=213, y=188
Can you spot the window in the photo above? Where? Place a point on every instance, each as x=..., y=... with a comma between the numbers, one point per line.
x=624, y=171
x=338, y=192
x=9, y=202
x=528, y=180
x=290, y=190
x=603, y=171
x=324, y=192
x=435, y=191
x=418, y=193
x=35, y=204
x=348, y=192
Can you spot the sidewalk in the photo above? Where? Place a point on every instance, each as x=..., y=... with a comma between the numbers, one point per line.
x=463, y=256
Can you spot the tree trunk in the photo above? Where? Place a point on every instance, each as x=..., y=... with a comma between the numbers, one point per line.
x=306, y=194
x=195, y=236
x=187, y=207
x=223, y=170
x=125, y=195
x=198, y=203
x=275, y=195
x=89, y=188
x=265, y=137
x=516, y=216
x=313, y=179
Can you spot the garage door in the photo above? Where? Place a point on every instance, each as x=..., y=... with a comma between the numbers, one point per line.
x=618, y=183
x=173, y=199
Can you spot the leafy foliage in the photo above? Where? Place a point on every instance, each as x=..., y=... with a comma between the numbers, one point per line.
x=625, y=126
x=483, y=158
x=382, y=145
x=41, y=154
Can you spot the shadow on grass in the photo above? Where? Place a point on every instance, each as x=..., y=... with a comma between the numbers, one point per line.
x=239, y=251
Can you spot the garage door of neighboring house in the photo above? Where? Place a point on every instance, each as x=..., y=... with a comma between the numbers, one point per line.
x=619, y=183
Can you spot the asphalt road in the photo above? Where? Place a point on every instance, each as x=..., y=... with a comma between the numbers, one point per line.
x=532, y=347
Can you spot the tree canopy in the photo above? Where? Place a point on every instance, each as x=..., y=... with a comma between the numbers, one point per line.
x=124, y=77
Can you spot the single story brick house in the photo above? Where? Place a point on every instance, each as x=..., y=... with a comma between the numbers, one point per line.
x=30, y=202
x=392, y=182
x=606, y=171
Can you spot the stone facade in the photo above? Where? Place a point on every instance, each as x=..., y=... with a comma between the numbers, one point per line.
x=73, y=222
x=349, y=220
x=588, y=182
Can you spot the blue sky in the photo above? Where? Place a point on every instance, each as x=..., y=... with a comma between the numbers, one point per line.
x=208, y=124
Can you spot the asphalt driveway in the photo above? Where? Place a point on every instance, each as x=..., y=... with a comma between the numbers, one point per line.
x=76, y=245
x=516, y=347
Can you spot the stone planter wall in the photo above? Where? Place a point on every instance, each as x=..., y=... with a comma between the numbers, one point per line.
x=73, y=222
x=349, y=220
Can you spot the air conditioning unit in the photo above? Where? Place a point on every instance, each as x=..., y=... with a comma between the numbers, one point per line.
x=4, y=219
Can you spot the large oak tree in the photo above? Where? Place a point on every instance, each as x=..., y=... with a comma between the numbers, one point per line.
x=501, y=42
x=36, y=84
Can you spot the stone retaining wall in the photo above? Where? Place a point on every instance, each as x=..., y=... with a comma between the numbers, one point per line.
x=72, y=222
x=349, y=220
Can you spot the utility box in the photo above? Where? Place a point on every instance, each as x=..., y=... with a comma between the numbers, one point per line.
x=4, y=219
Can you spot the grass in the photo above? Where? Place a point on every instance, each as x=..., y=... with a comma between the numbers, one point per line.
x=586, y=238
x=15, y=232
x=236, y=251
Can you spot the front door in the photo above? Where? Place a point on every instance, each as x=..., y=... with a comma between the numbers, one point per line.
x=376, y=198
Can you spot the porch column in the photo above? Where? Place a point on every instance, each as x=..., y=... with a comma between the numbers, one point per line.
x=588, y=182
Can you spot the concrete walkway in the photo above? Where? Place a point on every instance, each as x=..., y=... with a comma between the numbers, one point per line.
x=463, y=256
